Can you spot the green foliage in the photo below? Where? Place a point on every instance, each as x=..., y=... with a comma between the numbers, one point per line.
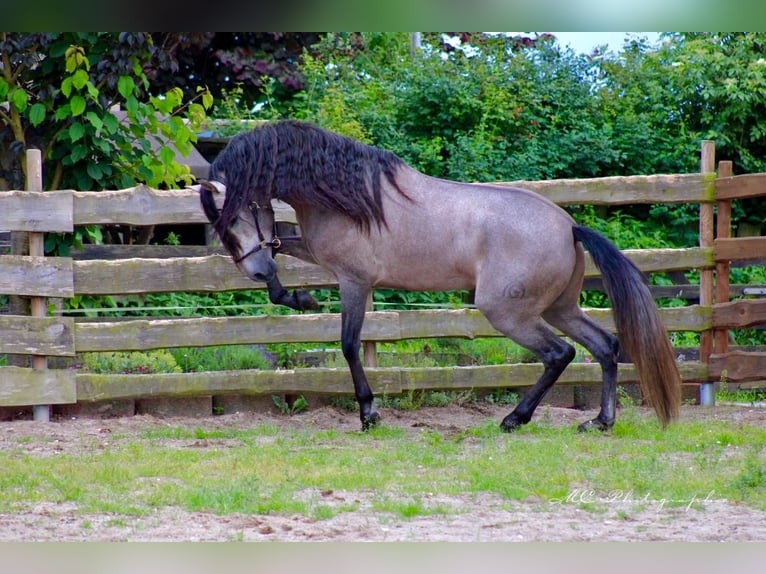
x=63, y=90
x=224, y=358
x=299, y=405
x=72, y=94
x=150, y=362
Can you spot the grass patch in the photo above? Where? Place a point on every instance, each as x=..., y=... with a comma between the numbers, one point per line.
x=265, y=470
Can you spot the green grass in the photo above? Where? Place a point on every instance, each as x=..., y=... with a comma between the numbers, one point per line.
x=265, y=470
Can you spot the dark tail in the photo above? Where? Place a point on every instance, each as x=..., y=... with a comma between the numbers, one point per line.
x=641, y=333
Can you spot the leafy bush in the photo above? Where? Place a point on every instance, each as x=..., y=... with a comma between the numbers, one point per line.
x=224, y=358
x=150, y=362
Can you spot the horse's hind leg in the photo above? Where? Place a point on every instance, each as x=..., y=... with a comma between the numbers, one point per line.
x=553, y=352
x=605, y=349
x=353, y=303
x=555, y=355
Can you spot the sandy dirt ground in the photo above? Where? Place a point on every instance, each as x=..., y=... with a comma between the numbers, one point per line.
x=481, y=517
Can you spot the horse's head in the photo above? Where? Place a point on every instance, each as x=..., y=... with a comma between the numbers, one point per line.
x=247, y=231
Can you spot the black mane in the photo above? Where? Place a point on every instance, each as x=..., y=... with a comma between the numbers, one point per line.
x=298, y=162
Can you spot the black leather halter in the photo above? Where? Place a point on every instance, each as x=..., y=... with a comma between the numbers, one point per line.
x=274, y=242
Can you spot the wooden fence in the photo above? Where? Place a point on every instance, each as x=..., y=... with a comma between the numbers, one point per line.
x=42, y=335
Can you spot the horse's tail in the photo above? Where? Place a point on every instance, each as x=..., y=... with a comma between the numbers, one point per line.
x=641, y=333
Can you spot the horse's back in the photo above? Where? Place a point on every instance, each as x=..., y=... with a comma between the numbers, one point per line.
x=446, y=235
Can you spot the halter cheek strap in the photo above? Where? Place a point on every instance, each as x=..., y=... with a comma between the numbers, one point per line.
x=274, y=242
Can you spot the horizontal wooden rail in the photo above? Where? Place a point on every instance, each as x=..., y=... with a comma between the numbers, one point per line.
x=218, y=273
x=688, y=188
x=36, y=211
x=60, y=386
x=212, y=273
x=383, y=381
x=144, y=334
x=738, y=366
x=142, y=205
x=739, y=249
x=740, y=187
x=53, y=336
x=739, y=314
x=36, y=276
x=25, y=386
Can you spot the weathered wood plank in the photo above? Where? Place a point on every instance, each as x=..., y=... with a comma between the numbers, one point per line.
x=740, y=186
x=218, y=273
x=660, y=260
x=739, y=314
x=92, y=387
x=36, y=211
x=36, y=276
x=688, y=188
x=52, y=336
x=470, y=323
x=142, y=205
x=739, y=248
x=25, y=387
x=144, y=334
x=738, y=366
x=141, y=334
x=212, y=273
x=695, y=318
x=522, y=375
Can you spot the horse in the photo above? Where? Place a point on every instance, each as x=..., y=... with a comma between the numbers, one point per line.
x=372, y=220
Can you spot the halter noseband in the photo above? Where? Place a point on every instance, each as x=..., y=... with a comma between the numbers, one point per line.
x=274, y=242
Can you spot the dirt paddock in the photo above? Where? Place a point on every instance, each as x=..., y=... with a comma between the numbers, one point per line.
x=482, y=517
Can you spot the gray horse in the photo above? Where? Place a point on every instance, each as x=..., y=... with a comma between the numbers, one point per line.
x=373, y=221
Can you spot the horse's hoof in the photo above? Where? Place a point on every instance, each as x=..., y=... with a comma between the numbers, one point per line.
x=370, y=421
x=594, y=425
x=305, y=300
x=511, y=423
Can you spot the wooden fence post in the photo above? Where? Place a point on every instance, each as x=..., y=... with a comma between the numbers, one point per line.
x=707, y=165
x=41, y=413
x=723, y=231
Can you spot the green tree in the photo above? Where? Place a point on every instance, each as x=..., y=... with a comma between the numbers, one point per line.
x=60, y=91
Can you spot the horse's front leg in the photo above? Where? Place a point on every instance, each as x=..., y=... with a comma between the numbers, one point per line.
x=353, y=301
x=299, y=299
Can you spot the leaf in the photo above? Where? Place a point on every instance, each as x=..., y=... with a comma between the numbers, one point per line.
x=126, y=85
x=80, y=78
x=78, y=152
x=92, y=90
x=37, y=114
x=63, y=112
x=131, y=105
x=94, y=170
x=78, y=105
x=66, y=86
x=207, y=99
x=174, y=97
x=94, y=120
x=76, y=131
x=111, y=123
x=103, y=145
x=167, y=155
x=3, y=88
x=19, y=99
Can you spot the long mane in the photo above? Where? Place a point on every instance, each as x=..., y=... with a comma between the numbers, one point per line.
x=298, y=162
